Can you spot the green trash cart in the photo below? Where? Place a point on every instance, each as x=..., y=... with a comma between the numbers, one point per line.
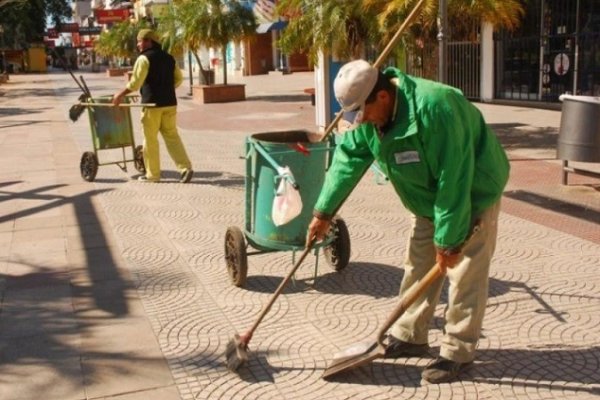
x=111, y=128
x=266, y=154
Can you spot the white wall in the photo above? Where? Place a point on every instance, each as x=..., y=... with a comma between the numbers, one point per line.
x=487, y=62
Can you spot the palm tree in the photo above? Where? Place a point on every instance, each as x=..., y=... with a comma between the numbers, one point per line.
x=462, y=14
x=339, y=27
x=119, y=41
x=210, y=23
x=176, y=38
x=464, y=17
x=342, y=27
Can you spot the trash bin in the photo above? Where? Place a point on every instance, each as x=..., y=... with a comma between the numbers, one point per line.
x=266, y=155
x=308, y=164
x=111, y=126
x=579, y=134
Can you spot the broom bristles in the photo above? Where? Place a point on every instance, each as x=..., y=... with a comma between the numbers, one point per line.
x=236, y=353
x=76, y=110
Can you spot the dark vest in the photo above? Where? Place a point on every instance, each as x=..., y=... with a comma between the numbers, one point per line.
x=159, y=86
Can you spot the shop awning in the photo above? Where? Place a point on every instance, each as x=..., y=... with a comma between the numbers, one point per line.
x=271, y=26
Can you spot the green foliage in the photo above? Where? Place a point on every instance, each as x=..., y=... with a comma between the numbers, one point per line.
x=339, y=27
x=343, y=28
x=120, y=40
x=463, y=15
x=208, y=23
x=24, y=22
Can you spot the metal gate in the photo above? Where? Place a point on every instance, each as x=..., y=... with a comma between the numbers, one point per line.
x=464, y=68
x=464, y=65
x=555, y=51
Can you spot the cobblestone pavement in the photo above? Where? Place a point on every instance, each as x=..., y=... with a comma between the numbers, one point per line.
x=163, y=244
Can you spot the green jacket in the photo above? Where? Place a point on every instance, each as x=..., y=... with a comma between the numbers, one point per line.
x=444, y=162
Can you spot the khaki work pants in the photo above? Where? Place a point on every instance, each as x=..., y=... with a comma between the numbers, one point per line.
x=163, y=119
x=467, y=293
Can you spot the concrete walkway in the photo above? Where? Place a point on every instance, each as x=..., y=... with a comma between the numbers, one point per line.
x=118, y=289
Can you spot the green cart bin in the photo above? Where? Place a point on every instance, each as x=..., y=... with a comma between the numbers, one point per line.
x=266, y=154
x=111, y=128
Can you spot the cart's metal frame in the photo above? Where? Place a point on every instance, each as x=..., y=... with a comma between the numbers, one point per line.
x=89, y=160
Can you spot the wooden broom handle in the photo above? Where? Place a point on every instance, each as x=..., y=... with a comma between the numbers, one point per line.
x=416, y=290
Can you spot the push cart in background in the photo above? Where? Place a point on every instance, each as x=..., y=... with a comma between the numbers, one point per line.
x=266, y=154
x=111, y=128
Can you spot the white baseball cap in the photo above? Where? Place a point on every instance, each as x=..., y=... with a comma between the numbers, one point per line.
x=353, y=84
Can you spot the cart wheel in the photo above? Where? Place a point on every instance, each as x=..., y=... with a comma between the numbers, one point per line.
x=138, y=159
x=88, y=166
x=235, y=256
x=337, y=253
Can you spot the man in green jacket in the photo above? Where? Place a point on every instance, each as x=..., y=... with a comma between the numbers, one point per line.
x=449, y=170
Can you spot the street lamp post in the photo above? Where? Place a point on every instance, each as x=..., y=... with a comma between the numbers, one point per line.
x=442, y=37
x=191, y=92
x=2, y=47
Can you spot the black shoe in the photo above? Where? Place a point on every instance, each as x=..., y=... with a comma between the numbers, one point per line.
x=443, y=370
x=143, y=178
x=397, y=348
x=186, y=175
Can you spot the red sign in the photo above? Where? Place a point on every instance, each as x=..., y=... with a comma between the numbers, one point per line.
x=49, y=43
x=108, y=16
x=88, y=43
x=76, y=39
x=52, y=33
x=69, y=27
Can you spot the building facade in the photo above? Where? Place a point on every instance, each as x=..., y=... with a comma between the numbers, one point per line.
x=556, y=51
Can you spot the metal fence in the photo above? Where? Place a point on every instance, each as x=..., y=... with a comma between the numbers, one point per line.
x=464, y=60
x=517, y=68
x=464, y=68
x=588, y=72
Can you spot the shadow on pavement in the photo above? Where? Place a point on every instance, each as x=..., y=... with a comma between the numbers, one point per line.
x=58, y=92
x=383, y=280
x=268, y=284
x=281, y=98
x=40, y=323
x=21, y=123
x=12, y=111
x=100, y=264
x=221, y=179
x=512, y=137
x=381, y=373
x=559, y=206
x=539, y=368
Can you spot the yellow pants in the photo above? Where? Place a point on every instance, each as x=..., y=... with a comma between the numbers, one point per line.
x=467, y=293
x=163, y=119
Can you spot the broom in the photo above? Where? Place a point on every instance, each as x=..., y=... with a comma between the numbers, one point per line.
x=76, y=110
x=237, y=348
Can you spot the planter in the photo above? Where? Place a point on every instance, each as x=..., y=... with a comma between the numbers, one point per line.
x=110, y=72
x=219, y=93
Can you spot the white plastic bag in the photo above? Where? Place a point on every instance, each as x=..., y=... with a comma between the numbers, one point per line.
x=287, y=203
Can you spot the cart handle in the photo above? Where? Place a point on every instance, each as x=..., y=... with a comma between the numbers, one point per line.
x=274, y=164
x=120, y=105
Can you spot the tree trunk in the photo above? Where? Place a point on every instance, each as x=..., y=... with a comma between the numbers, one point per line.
x=224, y=54
x=203, y=75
